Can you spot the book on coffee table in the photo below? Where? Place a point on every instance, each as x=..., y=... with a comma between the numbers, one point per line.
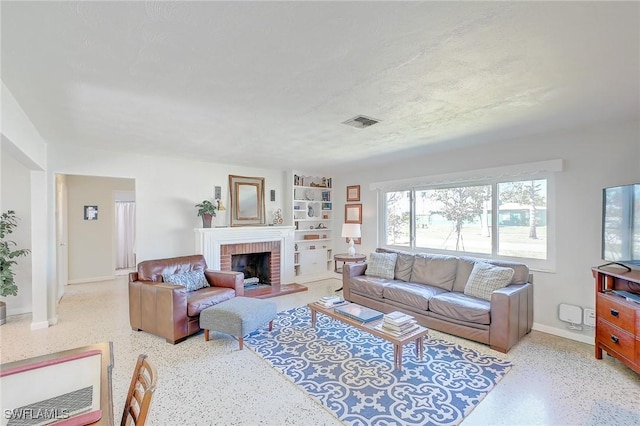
x=331, y=301
x=411, y=329
x=359, y=313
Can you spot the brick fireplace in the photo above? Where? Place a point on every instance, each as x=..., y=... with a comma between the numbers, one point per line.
x=227, y=251
x=218, y=244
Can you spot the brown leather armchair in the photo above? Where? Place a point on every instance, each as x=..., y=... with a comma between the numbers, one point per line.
x=168, y=310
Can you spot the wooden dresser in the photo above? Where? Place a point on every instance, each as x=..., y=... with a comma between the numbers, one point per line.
x=617, y=319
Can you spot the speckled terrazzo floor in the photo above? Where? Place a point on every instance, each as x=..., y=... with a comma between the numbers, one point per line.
x=554, y=381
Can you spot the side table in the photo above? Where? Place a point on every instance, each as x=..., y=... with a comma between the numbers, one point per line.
x=346, y=258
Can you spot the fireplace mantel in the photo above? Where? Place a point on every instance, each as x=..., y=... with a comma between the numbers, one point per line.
x=209, y=240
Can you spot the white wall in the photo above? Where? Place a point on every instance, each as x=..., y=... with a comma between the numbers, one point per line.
x=91, y=242
x=166, y=191
x=15, y=187
x=594, y=158
x=21, y=140
x=17, y=128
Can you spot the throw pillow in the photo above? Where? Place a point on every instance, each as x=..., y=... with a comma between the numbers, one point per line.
x=192, y=280
x=485, y=279
x=381, y=265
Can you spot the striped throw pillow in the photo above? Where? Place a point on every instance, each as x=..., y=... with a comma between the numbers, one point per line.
x=381, y=265
x=485, y=279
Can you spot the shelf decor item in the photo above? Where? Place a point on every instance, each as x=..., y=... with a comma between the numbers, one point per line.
x=277, y=217
x=353, y=193
x=207, y=210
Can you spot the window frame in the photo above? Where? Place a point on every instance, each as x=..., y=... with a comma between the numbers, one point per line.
x=547, y=265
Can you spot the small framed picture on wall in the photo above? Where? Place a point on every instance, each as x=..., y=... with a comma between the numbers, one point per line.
x=353, y=193
x=353, y=213
x=90, y=212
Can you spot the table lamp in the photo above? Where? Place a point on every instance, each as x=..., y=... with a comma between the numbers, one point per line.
x=351, y=231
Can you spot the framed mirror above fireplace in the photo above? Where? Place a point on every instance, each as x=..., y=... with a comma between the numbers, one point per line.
x=247, y=200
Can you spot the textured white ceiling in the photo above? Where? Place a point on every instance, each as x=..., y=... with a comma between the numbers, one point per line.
x=269, y=83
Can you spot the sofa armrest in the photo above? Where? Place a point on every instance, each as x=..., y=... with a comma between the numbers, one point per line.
x=354, y=269
x=511, y=315
x=229, y=279
x=350, y=270
x=158, y=308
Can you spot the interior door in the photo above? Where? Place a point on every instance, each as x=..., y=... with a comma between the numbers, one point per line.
x=62, y=239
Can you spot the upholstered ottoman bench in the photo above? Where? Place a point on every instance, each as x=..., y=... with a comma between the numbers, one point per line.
x=238, y=317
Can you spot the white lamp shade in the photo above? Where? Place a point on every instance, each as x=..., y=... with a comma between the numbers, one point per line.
x=351, y=230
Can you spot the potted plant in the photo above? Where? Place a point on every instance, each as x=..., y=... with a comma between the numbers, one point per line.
x=8, y=252
x=207, y=210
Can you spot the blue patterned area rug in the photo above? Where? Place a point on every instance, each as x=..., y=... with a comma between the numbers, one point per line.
x=351, y=372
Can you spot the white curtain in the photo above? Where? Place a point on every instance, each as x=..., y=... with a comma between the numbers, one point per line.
x=125, y=234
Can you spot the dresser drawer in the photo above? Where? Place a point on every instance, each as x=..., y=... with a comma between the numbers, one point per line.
x=616, y=339
x=614, y=310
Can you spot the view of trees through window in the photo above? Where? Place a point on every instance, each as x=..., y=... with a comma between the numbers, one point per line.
x=461, y=219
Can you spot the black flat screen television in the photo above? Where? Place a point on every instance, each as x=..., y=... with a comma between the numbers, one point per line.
x=621, y=224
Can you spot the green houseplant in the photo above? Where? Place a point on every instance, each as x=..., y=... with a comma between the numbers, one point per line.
x=8, y=252
x=207, y=210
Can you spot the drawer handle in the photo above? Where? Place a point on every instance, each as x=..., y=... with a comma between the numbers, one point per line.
x=614, y=339
x=614, y=312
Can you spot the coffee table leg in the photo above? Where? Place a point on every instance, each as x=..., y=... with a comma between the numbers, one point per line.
x=313, y=318
x=397, y=357
x=420, y=347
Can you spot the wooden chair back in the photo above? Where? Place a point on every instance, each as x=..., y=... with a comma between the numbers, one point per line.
x=141, y=389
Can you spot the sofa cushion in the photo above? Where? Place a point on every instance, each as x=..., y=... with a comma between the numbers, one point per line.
x=192, y=280
x=465, y=266
x=206, y=297
x=486, y=278
x=152, y=270
x=520, y=270
x=411, y=294
x=461, y=307
x=435, y=270
x=381, y=265
x=404, y=263
x=370, y=286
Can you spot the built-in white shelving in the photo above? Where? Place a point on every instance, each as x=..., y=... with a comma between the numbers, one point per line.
x=312, y=218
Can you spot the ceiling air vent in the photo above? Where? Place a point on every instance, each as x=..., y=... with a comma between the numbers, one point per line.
x=361, y=121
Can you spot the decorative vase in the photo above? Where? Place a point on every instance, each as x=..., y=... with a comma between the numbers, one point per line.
x=206, y=220
x=3, y=313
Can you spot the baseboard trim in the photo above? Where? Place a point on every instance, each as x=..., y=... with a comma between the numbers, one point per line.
x=19, y=311
x=91, y=280
x=590, y=340
x=39, y=325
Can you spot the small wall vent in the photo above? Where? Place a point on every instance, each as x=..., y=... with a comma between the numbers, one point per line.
x=361, y=121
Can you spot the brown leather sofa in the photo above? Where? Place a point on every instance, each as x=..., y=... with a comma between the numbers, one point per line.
x=168, y=310
x=431, y=288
